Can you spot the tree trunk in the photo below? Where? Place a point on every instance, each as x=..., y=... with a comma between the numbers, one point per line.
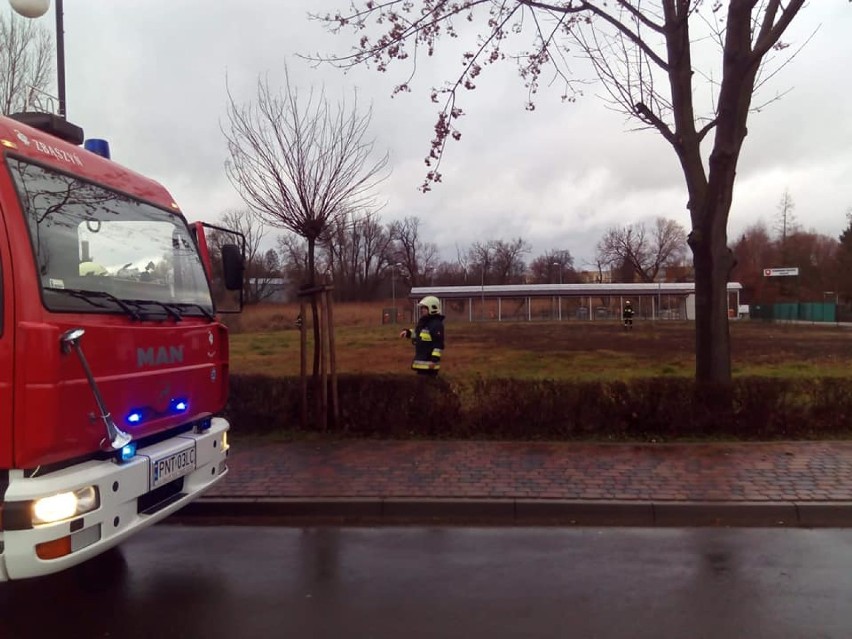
x=312, y=281
x=713, y=262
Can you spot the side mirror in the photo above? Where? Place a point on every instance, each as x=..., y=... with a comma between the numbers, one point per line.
x=232, y=267
x=226, y=274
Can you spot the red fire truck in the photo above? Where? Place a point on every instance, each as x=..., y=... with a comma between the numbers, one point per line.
x=113, y=364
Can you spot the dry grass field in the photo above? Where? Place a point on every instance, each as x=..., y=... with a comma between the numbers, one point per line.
x=548, y=380
x=264, y=339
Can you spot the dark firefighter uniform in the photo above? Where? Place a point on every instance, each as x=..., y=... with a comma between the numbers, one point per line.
x=428, y=338
x=627, y=315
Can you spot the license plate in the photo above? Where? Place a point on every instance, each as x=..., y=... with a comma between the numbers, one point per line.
x=170, y=467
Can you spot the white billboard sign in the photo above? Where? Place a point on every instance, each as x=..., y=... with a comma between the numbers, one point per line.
x=780, y=272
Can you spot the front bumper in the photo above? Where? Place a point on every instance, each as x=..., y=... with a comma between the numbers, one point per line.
x=127, y=502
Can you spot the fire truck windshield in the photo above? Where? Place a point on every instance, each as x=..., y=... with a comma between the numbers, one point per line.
x=87, y=238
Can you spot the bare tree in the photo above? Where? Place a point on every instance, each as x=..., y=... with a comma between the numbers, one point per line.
x=509, y=266
x=357, y=249
x=640, y=252
x=599, y=266
x=254, y=283
x=785, y=220
x=448, y=274
x=268, y=272
x=480, y=261
x=642, y=51
x=26, y=64
x=246, y=223
x=496, y=261
x=416, y=256
x=294, y=256
x=301, y=163
x=554, y=267
x=464, y=264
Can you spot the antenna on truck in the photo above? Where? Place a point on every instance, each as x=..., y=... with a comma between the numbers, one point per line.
x=117, y=438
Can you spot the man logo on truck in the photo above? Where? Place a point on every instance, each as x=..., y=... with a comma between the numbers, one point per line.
x=160, y=357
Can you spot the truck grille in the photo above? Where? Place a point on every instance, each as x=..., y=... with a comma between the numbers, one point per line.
x=159, y=498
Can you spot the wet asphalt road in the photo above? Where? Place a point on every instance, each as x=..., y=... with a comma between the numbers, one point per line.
x=210, y=582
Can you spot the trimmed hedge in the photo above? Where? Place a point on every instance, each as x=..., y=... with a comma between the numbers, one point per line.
x=392, y=406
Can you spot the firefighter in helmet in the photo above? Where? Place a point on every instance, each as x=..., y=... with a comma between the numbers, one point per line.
x=427, y=337
x=627, y=316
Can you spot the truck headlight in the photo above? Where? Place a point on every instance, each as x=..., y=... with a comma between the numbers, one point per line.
x=48, y=510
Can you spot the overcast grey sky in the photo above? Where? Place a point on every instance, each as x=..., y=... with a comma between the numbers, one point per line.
x=149, y=75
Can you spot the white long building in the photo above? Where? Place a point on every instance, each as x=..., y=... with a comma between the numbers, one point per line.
x=531, y=302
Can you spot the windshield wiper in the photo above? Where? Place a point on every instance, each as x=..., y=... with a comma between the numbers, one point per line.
x=170, y=309
x=83, y=295
x=204, y=311
x=134, y=307
x=89, y=295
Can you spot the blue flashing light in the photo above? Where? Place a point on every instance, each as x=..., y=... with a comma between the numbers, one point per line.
x=179, y=405
x=135, y=417
x=98, y=147
x=128, y=451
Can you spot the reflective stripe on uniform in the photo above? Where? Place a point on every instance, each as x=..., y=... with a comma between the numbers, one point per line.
x=420, y=365
x=436, y=352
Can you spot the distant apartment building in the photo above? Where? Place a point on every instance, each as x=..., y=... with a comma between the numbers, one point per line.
x=595, y=277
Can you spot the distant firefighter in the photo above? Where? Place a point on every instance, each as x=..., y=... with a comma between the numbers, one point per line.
x=627, y=316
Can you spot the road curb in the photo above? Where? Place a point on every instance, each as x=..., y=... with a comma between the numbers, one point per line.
x=389, y=511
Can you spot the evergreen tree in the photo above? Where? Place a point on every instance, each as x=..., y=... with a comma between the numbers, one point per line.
x=844, y=261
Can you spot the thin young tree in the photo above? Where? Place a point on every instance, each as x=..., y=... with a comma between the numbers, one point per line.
x=299, y=162
x=786, y=223
x=645, y=53
x=26, y=64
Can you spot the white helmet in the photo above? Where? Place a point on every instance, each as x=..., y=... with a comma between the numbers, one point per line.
x=432, y=303
x=92, y=268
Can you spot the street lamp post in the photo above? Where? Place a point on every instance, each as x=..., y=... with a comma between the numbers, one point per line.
x=559, y=266
x=559, y=296
x=393, y=288
x=482, y=293
x=36, y=9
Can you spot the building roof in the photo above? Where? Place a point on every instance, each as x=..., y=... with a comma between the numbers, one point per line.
x=564, y=290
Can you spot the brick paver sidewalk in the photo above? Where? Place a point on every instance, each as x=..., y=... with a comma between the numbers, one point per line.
x=746, y=472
